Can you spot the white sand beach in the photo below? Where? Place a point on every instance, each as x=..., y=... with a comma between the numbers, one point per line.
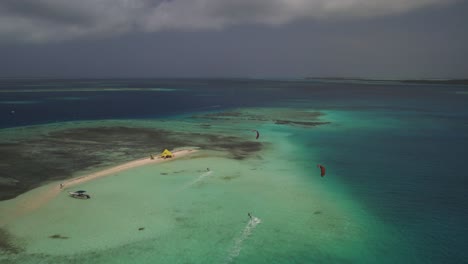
x=125, y=166
x=36, y=198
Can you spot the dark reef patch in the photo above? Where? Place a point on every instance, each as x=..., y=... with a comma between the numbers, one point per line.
x=206, y=126
x=56, y=156
x=301, y=123
x=239, y=149
x=278, y=116
x=58, y=236
x=229, y=177
x=6, y=243
x=219, y=115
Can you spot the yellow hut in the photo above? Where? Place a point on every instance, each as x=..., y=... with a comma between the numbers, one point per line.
x=166, y=154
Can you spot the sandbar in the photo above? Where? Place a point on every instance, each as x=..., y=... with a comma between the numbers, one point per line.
x=25, y=204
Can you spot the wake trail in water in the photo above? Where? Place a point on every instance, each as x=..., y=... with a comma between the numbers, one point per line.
x=197, y=180
x=249, y=228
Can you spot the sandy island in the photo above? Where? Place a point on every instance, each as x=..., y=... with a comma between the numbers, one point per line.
x=125, y=166
x=29, y=203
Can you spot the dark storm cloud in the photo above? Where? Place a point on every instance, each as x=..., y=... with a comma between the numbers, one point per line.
x=55, y=20
x=234, y=38
x=220, y=13
x=39, y=10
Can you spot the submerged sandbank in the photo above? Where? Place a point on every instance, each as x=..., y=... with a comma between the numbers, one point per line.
x=160, y=213
x=196, y=210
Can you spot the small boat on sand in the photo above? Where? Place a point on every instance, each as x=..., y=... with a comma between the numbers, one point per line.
x=79, y=195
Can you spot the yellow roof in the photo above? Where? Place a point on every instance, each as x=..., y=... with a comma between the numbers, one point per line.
x=166, y=153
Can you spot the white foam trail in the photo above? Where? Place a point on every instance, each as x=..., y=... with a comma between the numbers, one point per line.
x=235, y=251
x=199, y=179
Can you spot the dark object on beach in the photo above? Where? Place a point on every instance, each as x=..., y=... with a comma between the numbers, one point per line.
x=322, y=170
x=141, y=228
x=258, y=134
x=79, y=195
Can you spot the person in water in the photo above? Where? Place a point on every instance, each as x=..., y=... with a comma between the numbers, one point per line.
x=250, y=215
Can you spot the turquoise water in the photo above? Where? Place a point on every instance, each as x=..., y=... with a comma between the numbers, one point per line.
x=190, y=214
x=395, y=189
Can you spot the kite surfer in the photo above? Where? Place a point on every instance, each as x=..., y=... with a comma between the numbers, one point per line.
x=258, y=134
x=322, y=170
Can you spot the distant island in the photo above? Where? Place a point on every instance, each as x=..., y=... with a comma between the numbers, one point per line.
x=414, y=81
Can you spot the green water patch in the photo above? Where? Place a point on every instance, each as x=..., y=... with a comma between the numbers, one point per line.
x=22, y=102
x=195, y=210
x=191, y=213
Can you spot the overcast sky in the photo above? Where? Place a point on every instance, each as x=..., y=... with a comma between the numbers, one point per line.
x=234, y=38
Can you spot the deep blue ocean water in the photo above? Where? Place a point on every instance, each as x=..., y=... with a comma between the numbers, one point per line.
x=402, y=152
